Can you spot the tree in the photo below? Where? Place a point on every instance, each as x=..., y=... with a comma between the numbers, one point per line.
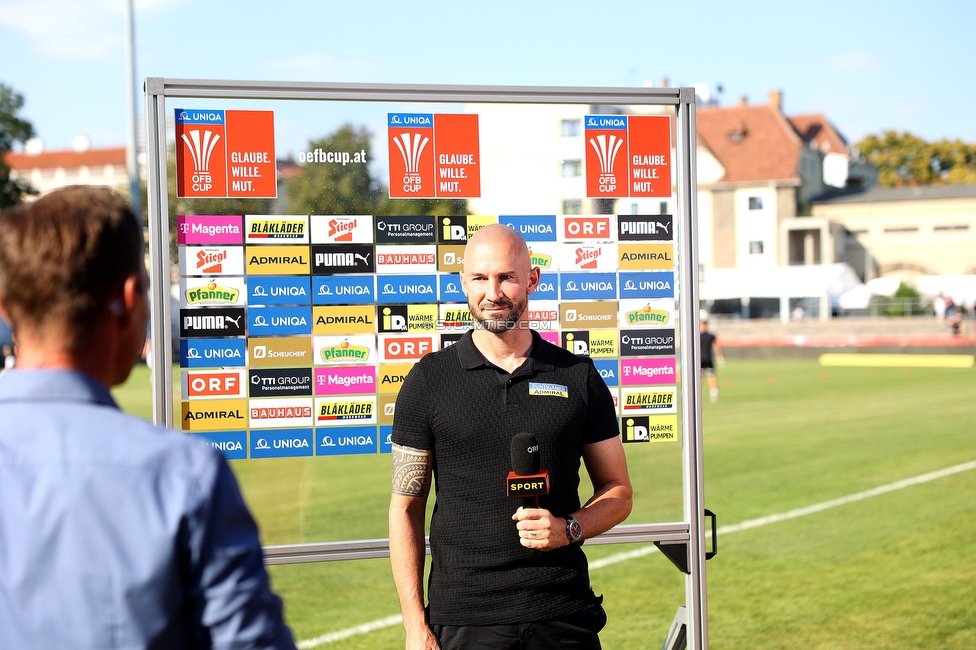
x=904, y=159
x=12, y=129
x=337, y=188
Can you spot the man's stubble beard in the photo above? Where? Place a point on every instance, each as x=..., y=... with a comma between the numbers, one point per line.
x=499, y=325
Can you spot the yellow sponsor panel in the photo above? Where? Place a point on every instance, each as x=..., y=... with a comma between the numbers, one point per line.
x=214, y=415
x=391, y=377
x=450, y=258
x=387, y=407
x=277, y=260
x=899, y=360
x=422, y=318
x=645, y=257
x=343, y=319
x=663, y=428
x=603, y=344
x=476, y=223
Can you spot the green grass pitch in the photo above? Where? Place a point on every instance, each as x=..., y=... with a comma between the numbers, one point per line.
x=891, y=571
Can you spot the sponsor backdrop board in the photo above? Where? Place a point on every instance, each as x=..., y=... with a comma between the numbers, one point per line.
x=297, y=331
x=296, y=348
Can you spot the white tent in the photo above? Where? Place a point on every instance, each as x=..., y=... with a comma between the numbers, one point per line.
x=824, y=282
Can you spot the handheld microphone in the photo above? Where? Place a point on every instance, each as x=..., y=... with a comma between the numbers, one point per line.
x=526, y=480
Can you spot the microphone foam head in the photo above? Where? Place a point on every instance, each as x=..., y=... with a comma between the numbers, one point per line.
x=525, y=454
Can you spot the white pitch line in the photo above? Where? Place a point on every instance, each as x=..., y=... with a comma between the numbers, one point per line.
x=390, y=621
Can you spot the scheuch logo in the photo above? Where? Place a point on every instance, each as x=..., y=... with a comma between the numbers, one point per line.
x=329, y=259
x=644, y=227
x=212, y=322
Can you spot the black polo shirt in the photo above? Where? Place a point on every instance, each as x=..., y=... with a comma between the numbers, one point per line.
x=466, y=410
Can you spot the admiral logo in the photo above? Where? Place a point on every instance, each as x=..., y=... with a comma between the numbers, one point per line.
x=333, y=410
x=212, y=353
x=405, y=348
x=278, y=290
x=281, y=443
x=345, y=319
x=541, y=228
x=647, y=285
x=340, y=258
x=661, y=400
x=645, y=257
x=593, y=286
x=228, y=321
x=644, y=227
x=214, y=415
x=406, y=230
x=284, y=382
x=279, y=321
x=636, y=372
x=338, y=290
x=233, y=444
x=278, y=260
x=588, y=314
x=346, y=380
x=347, y=229
x=345, y=440
x=212, y=383
x=406, y=259
x=268, y=230
x=193, y=229
x=586, y=228
x=636, y=343
x=406, y=289
x=280, y=352
x=608, y=371
x=211, y=260
x=392, y=376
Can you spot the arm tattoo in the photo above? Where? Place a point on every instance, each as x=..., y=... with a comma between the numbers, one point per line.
x=411, y=471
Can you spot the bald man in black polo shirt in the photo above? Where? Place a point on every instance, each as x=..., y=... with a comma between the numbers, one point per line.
x=501, y=580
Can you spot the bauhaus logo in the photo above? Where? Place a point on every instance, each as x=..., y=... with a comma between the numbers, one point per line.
x=343, y=258
x=227, y=321
x=406, y=259
x=340, y=290
x=272, y=413
x=632, y=227
x=406, y=230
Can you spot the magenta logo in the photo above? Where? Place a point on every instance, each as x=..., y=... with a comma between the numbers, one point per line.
x=205, y=230
x=348, y=380
x=644, y=372
x=552, y=337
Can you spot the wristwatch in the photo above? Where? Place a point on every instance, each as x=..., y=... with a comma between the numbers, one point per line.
x=573, y=530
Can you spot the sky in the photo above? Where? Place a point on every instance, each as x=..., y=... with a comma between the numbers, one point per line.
x=867, y=66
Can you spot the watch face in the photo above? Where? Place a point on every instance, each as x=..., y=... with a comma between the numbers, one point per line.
x=575, y=530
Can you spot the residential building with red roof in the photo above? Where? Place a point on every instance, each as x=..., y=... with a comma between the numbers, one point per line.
x=82, y=165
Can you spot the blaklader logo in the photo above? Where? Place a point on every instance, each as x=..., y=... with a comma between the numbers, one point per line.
x=276, y=230
x=647, y=400
x=228, y=321
x=345, y=410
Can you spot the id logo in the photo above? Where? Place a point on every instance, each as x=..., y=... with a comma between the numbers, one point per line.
x=532, y=228
x=213, y=353
x=355, y=229
x=453, y=229
x=339, y=290
x=406, y=289
x=650, y=428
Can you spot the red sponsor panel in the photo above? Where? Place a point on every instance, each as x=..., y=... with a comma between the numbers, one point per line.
x=650, y=155
x=216, y=383
x=575, y=228
x=201, y=162
x=407, y=348
x=606, y=155
x=457, y=164
x=411, y=141
x=251, y=165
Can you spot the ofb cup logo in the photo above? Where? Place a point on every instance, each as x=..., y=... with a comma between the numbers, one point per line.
x=606, y=153
x=201, y=151
x=411, y=146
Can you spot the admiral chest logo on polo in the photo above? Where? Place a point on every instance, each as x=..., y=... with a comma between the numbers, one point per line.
x=548, y=390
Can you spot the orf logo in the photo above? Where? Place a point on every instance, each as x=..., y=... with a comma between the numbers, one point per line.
x=586, y=228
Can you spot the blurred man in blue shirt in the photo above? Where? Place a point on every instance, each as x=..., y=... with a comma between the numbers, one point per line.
x=114, y=533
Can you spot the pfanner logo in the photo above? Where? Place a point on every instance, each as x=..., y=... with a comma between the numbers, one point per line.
x=203, y=293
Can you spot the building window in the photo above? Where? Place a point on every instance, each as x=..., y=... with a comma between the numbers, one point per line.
x=900, y=230
x=756, y=247
x=634, y=208
x=71, y=172
x=572, y=168
x=572, y=206
x=572, y=128
x=755, y=203
x=663, y=207
x=962, y=227
x=49, y=174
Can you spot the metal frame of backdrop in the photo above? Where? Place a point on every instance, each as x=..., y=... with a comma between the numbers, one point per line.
x=683, y=542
